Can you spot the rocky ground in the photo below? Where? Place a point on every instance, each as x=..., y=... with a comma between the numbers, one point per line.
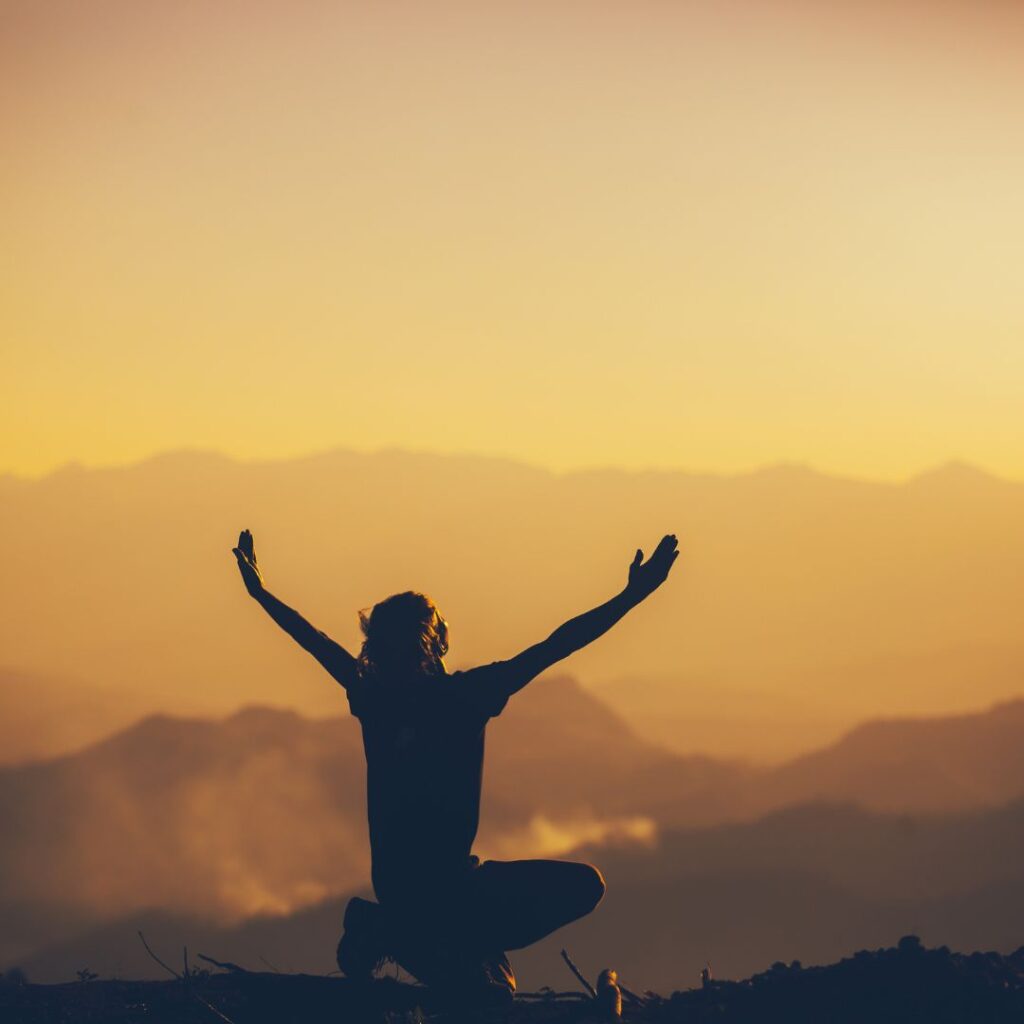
x=907, y=983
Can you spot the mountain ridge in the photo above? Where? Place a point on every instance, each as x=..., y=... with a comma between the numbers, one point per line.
x=125, y=578
x=953, y=469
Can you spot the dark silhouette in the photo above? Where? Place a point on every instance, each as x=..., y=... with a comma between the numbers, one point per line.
x=442, y=914
x=906, y=984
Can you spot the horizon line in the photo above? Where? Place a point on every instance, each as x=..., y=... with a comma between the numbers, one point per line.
x=953, y=463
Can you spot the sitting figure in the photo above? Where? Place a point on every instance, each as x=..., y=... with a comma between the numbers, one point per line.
x=441, y=914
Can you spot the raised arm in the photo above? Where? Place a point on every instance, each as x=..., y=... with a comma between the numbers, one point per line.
x=333, y=657
x=507, y=677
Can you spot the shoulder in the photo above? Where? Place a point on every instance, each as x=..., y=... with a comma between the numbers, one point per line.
x=484, y=687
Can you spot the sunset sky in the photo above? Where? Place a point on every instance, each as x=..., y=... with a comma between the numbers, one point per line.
x=696, y=235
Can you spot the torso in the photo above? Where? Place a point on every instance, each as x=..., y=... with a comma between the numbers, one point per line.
x=424, y=747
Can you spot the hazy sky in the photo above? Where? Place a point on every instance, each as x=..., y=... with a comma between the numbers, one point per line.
x=706, y=235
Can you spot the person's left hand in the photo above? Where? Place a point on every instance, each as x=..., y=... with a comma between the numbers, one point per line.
x=646, y=577
x=245, y=553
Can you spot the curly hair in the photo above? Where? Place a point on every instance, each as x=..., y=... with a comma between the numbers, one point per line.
x=403, y=633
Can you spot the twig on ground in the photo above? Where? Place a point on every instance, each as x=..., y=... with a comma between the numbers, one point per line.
x=185, y=979
x=639, y=1000
x=579, y=977
x=169, y=970
x=224, y=965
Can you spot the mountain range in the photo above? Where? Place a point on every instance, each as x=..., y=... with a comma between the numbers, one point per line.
x=802, y=604
x=249, y=829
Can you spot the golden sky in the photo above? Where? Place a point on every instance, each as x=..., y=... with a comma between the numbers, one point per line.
x=706, y=235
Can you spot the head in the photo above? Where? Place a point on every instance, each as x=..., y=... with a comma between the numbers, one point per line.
x=404, y=633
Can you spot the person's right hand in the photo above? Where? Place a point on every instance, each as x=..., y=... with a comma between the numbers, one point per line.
x=646, y=577
x=245, y=553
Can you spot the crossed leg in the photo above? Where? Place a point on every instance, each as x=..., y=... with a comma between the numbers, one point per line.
x=450, y=934
x=512, y=904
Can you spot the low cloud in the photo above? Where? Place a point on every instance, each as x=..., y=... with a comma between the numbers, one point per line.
x=549, y=837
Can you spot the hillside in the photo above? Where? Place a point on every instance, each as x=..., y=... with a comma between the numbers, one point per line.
x=937, y=764
x=808, y=884
x=205, y=823
x=808, y=708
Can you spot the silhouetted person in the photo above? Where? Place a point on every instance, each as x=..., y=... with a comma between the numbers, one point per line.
x=442, y=914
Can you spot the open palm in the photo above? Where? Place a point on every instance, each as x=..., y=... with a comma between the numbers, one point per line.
x=646, y=577
x=245, y=553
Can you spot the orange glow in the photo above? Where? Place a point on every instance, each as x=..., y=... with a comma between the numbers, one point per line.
x=600, y=234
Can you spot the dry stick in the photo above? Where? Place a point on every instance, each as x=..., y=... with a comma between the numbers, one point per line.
x=224, y=965
x=211, y=1008
x=579, y=977
x=157, y=959
x=630, y=995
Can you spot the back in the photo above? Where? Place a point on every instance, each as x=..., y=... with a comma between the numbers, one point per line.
x=424, y=741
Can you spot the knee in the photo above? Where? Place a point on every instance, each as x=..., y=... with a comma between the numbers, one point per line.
x=590, y=887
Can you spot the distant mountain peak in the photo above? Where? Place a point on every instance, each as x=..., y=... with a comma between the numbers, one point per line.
x=783, y=470
x=955, y=472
